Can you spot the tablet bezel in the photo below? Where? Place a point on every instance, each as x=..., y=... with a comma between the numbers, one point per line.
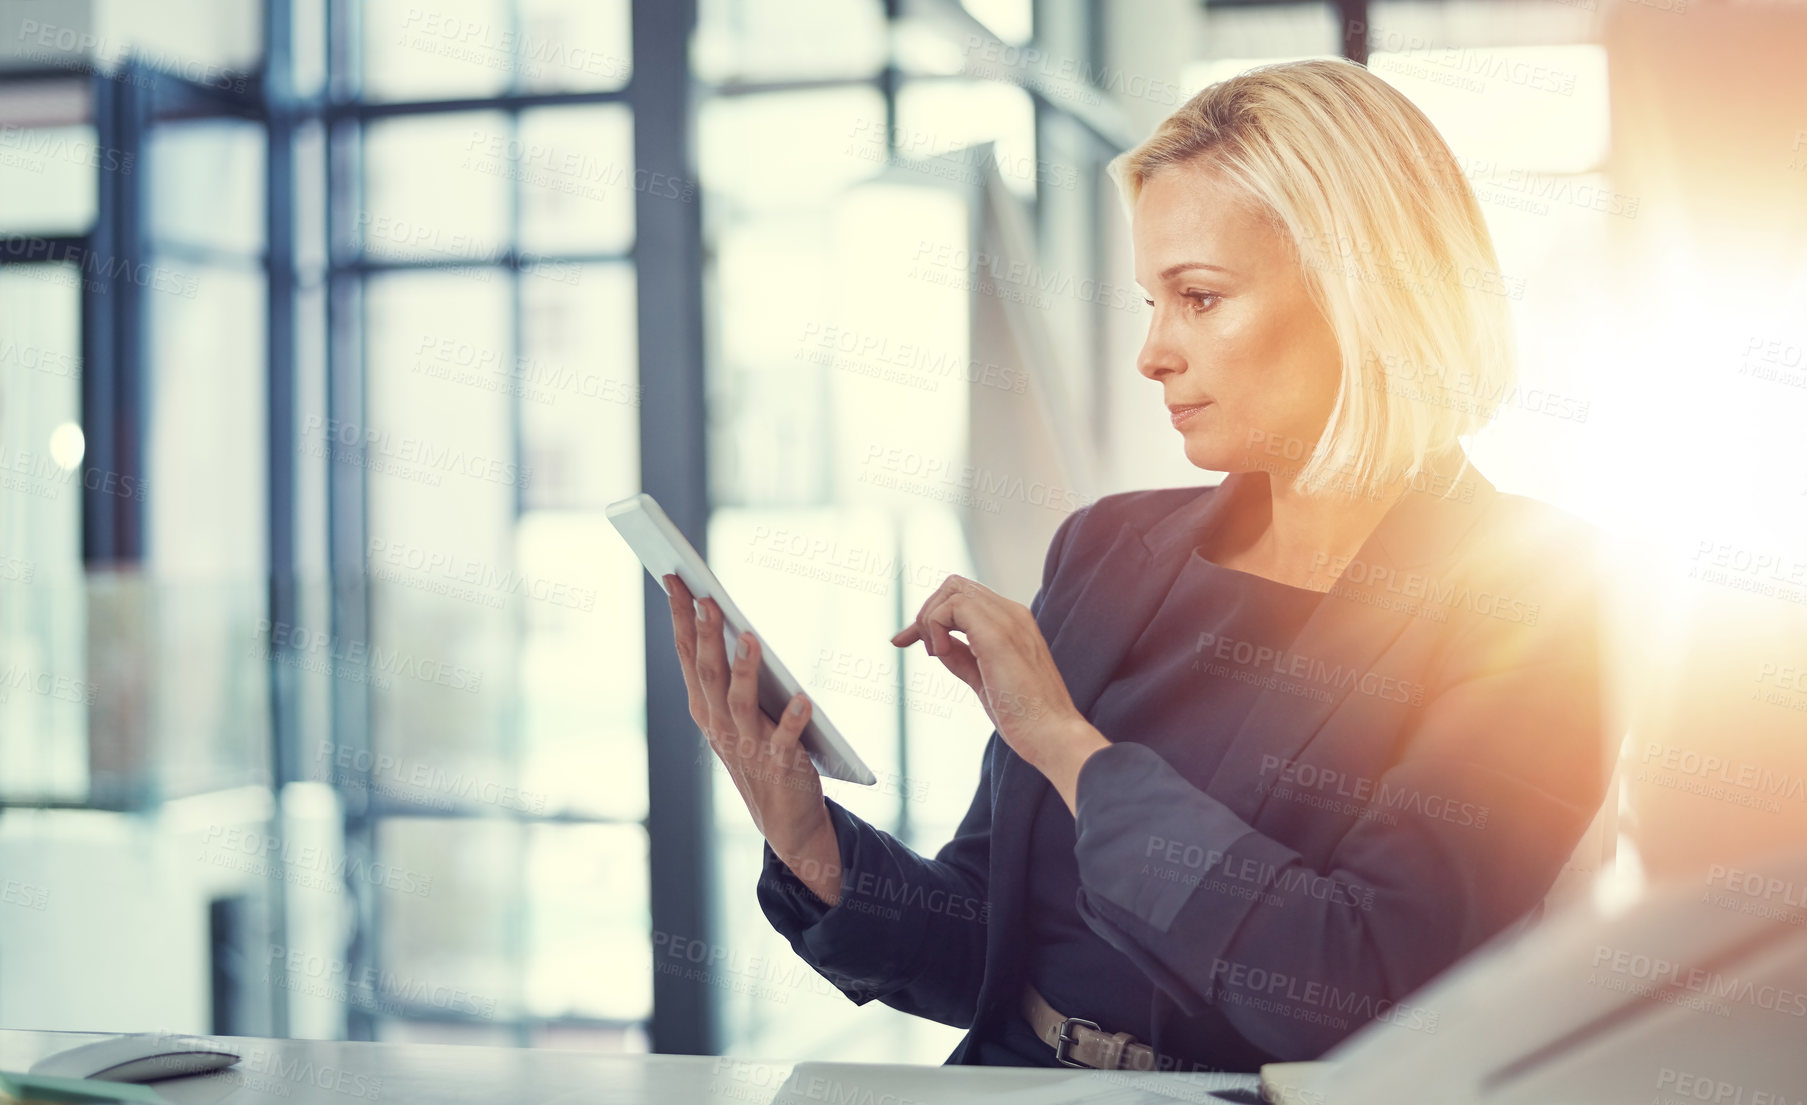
x=661, y=548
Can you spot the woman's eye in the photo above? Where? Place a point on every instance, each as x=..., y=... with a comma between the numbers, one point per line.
x=1201, y=301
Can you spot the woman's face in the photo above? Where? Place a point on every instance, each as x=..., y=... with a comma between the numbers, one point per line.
x=1234, y=329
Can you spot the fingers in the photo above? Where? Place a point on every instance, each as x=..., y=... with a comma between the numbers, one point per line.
x=743, y=688
x=950, y=608
x=683, y=636
x=787, y=741
x=958, y=658
x=730, y=687
x=789, y=733
x=958, y=604
x=712, y=670
x=918, y=629
x=779, y=740
x=683, y=615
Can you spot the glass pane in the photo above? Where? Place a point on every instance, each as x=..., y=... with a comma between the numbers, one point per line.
x=436, y=187
x=449, y=48
x=206, y=358
x=439, y=457
x=774, y=280
x=576, y=168
x=903, y=373
x=207, y=545
x=945, y=118
x=790, y=149
x=578, y=379
x=574, y=44
x=582, y=671
x=588, y=950
x=583, y=688
x=788, y=39
x=211, y=42
x=1071, y=189
x=449, y=907
x=207, y=184
x=47, y=180
x=43, y=733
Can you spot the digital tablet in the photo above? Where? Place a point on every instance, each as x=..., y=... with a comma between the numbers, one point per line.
x=663, y=549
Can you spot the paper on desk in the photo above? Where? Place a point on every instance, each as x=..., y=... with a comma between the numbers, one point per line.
x=812, y=1083
x=1289, y=1083
x=72, y=1091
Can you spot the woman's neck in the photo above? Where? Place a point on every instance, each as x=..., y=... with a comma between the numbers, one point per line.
x=1299, y=539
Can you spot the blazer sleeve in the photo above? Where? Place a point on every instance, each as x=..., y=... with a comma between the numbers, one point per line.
x=1496, y=781
x=908, y=931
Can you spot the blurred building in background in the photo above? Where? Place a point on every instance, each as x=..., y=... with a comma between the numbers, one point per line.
x=327, y=330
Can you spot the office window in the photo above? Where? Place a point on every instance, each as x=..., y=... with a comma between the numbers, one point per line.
x=483, y=48
x=411, y=51
x=205, y=184
x=839, y=375
x=436, y=187
x=575, y=46
x=754, y=40
x=43, y=738
x=499, y=377
x=45, y=178
x=387, y=372
x=438, y=462
x=578, y=180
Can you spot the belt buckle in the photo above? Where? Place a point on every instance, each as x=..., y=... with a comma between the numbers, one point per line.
x=1067, y=1040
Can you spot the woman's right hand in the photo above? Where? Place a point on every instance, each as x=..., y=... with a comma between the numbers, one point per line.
x=766, y=759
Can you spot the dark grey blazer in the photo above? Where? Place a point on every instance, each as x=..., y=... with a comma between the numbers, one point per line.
x=1355, y=840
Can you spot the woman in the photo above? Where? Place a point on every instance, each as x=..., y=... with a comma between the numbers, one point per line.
x=1270, y=755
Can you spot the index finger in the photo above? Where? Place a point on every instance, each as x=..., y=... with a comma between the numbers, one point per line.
x=913, y=632
x=683, y=607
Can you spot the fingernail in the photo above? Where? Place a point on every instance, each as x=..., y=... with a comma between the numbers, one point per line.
x=796, y=707
x=740, y=650
x=702, y=611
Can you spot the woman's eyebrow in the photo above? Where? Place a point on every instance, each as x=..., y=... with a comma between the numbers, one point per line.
x=1174, y=270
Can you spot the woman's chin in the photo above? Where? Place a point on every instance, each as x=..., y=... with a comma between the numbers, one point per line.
x=1210, y=455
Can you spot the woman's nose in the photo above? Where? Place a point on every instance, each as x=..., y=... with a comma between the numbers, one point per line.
x=1159, y=358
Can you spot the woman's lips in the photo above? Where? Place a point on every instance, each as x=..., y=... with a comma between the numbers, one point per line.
x=1181, y=415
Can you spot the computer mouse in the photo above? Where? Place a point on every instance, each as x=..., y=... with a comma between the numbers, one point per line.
x=138, y=1057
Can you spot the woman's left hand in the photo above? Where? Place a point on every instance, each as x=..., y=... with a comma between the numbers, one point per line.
x=1006, y=662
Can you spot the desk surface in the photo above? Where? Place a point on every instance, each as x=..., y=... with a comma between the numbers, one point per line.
x=308, y=1072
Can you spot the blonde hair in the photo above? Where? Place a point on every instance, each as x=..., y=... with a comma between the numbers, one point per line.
x=1391, y=243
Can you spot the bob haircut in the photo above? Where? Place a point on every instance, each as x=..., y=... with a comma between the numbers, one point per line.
x=1391, y=244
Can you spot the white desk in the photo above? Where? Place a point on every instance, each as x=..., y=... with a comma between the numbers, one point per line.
x=307, y=1072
